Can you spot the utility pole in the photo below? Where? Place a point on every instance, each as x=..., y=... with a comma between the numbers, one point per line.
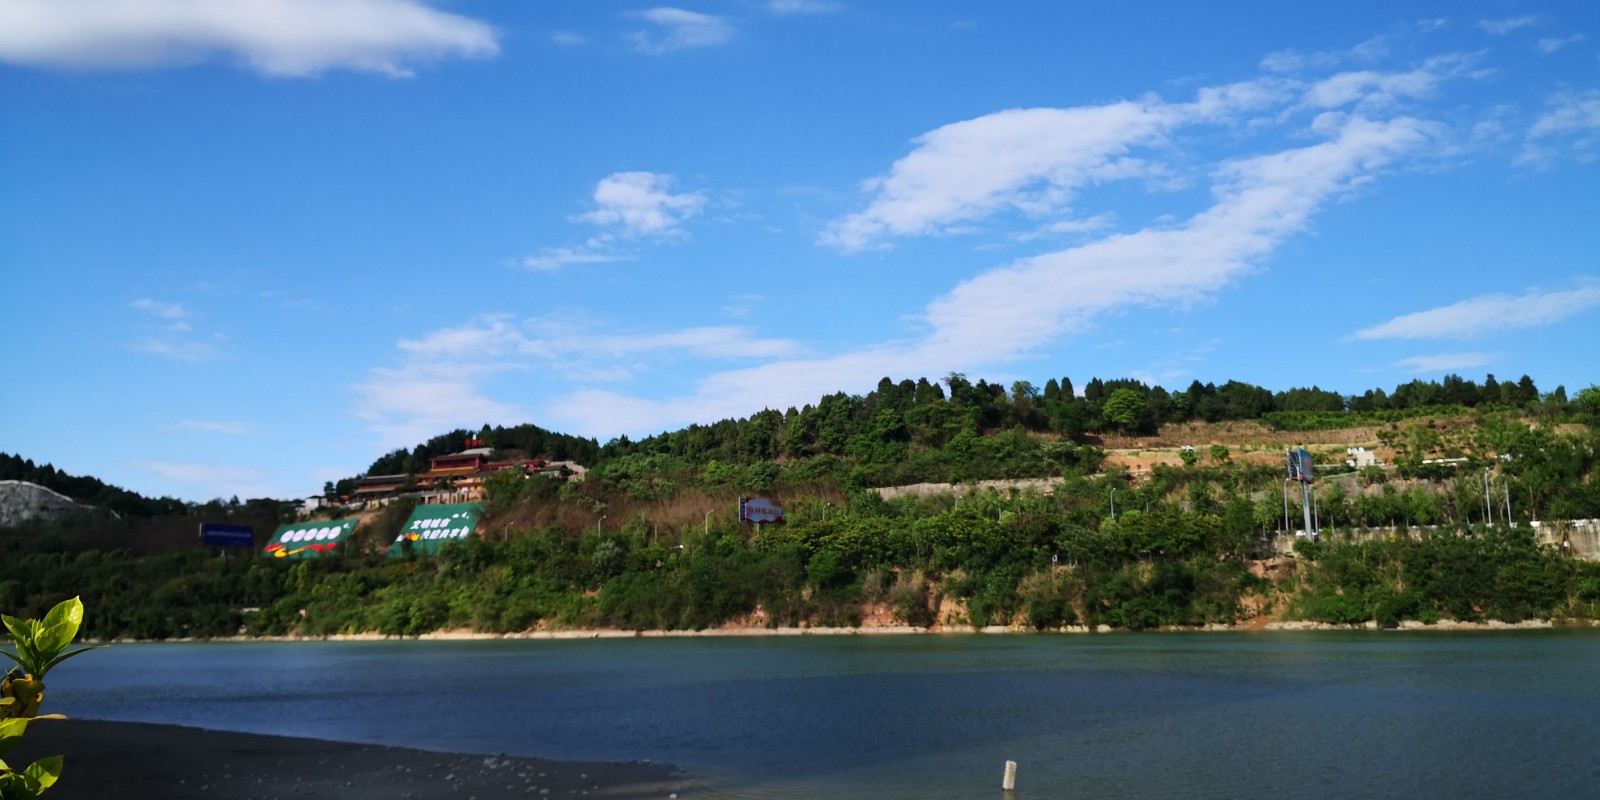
x=1488, y=510
x=1305, y=507
x=1285, y=505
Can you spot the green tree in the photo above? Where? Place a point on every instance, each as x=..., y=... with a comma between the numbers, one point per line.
x=1123, y=410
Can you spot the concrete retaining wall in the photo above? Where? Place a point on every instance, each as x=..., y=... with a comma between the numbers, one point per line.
x=1580, y=538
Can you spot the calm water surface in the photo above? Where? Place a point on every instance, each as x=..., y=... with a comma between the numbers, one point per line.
x=1213, y=715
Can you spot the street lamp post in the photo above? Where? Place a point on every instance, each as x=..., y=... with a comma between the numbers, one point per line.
x=599, y=522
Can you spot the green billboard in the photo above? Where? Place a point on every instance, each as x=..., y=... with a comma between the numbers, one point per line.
x=431, y=526
x=309, y=539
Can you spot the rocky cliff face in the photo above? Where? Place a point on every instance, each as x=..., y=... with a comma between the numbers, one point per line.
x=22, y=502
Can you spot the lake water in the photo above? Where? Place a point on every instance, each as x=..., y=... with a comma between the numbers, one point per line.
x=1204, y=715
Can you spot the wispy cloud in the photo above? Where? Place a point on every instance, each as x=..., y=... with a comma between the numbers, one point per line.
x=290, y=38
x=159, y=308
x=639, y=204
x=1034, y=161
x=1068, y=227
x=1501, y=27
x=228, y=428
x=1260, y=201
x=443, y=380
x=190, y=351
x=1445, y=362
x=1488, y=314
x=628, y=206
x=1030, y=160
x=551, y=259
x=1553, y=44
x=407, y=404
x=790, y=7
x=209, y=479
x=740, y=306
x=1370, y=89
x=173, y=336
x=1292, y=60
x=1570, y=126
x=502, y=336
x=677, y=29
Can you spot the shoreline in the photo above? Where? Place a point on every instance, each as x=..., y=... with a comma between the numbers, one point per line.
x=1275, y=626
x=137, y=760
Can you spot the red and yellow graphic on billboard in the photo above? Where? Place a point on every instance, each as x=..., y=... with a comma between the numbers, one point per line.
x=309, y=539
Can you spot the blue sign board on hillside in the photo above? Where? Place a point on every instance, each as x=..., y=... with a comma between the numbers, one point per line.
x=215, y=534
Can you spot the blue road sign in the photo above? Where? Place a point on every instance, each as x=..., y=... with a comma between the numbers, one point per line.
x=215, y=534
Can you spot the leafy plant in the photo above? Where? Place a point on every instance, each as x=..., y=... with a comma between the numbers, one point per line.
x=41, y=645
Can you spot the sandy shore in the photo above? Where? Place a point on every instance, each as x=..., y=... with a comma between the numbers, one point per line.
x=135, y=760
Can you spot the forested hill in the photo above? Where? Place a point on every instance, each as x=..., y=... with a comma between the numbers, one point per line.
x=956, y=429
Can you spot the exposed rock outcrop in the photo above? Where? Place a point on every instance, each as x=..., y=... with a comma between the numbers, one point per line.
x=22, y=502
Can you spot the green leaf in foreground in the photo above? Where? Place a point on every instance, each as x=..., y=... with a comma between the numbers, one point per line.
x=44, y=773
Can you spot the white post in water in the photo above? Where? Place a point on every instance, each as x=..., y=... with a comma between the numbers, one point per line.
x=1010, y=781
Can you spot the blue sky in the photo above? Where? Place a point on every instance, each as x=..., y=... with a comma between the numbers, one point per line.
x=247, y=247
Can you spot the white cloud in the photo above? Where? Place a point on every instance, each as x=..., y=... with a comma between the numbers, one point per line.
x=1369, y=89
x=502, y=336
x=1034, y=161
x=1446, y=362
x=1488, y=314
x=212, y=480
x=743, y=305
x=677, y=29
x=1571, y=125
x=1501, y=27
x=190, y=351
x=174, y=336
x=567, y=38
x=551, y=259
x=424, y=397
x=160, y=309
x=1026, y=159
x=1260, y=201
x=789, y=7
x=1069, y=227
x=641, y=205
x=294, y=38
x=441, y=383
x=1292, y=60
x=228, y=428
x=1554, y=44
